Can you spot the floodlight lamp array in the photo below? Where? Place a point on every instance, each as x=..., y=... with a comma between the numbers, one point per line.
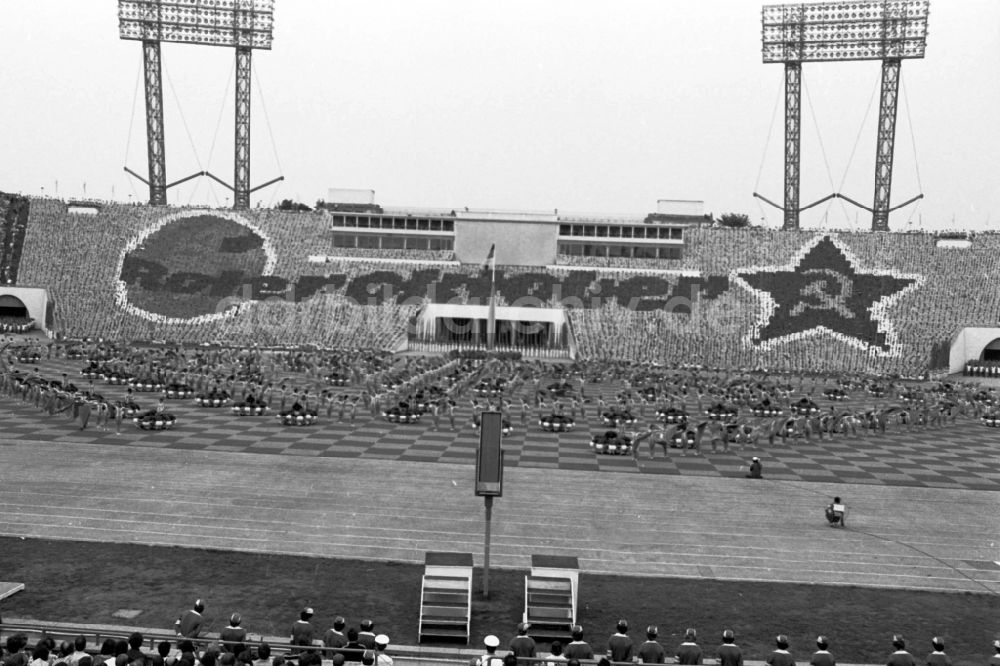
x=244, y=23
x=829, y=31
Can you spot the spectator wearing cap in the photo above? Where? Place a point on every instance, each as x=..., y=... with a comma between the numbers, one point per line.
x=651, y=652
x=729, y=652
x=780, y=656
x=689, y=652
x=233, y=634
x=367, y=634
x=578, y=648
x=938, y=657
x=490, y=658
x=822, y=655
x=522, y=645
x=334, y=637
x=620, y=646
x=302, y=629
x=900, y=657
x=995, y=659
x=756, y=469
x=189, y=624
x=556, y=656
x=381, y=658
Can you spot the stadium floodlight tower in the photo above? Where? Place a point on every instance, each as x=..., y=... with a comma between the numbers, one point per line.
x=886, y=30
x=243, y=24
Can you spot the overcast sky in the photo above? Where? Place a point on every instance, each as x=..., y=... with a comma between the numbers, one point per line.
x=580, y=105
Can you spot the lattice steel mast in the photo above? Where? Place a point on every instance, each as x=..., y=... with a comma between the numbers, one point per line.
x=244, y=24
x=793, y=135
x=886, y=30
x=241, y=169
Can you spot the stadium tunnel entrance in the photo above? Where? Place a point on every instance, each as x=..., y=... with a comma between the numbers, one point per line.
x=18, y=304
x=991, y=352
x=974, y=344
x=12, y=306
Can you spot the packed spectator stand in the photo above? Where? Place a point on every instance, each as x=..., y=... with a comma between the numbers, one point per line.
x=692, y=308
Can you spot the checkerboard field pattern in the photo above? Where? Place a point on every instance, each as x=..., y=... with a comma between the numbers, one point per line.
x=963, y=455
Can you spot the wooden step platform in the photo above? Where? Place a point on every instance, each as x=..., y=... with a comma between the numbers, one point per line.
x=550, y=596
x=446, y=597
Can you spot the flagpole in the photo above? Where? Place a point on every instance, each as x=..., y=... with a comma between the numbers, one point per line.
x=491, y=319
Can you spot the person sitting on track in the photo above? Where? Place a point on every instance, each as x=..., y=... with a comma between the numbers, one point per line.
x=835, y=513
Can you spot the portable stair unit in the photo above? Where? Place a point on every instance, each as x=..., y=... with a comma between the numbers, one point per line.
x=446, y=597
x=550, y=596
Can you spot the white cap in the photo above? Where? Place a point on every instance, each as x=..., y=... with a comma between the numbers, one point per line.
x=491, y=641
x=382, y=640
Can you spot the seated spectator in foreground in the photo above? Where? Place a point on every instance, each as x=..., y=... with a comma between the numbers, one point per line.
x=107, y=655
x=381, y=658
x=263, y=655
x=522, y=645
x=651, y=652
x=40, y=655
x=556, y=656
x=781, y=656
x=367, y=634
x=822, y=656
x=334, y=637
x=233, y=634
x=620, y=646
x=134, y=652
x=938, y=657
x=352, y=640
x=578, y=648
x=15, y=647
x=162, y=656
x=490, y=658
x=730, y=653
x=688, y=652
x=900, y=657
x=78, y=652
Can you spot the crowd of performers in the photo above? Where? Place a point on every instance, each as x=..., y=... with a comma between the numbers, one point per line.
x=664, y=407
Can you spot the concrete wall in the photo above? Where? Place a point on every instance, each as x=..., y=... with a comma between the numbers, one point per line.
x=35, y=300
x=518, y=243
x=969, y=344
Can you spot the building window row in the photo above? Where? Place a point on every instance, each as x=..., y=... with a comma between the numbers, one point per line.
x=625, y=251
x=387, y=242
x=396, y=223
x=621, y=231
